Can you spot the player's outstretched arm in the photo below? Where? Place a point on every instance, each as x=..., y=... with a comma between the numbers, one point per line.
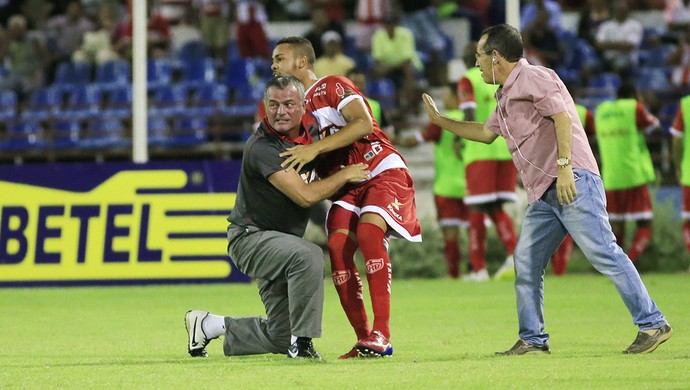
x=359, y=125
x=304, y=194
x=474, y=131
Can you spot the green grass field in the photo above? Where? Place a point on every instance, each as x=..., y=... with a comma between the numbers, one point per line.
x=445, y=334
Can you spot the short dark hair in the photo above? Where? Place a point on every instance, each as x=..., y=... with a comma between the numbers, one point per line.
x=283, y=82
x=301, y=46
x=505, y=39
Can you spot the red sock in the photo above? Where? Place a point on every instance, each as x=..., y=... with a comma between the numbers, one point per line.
x=477, y=233
x=452, y=252
x=347, y=282
x=562, y=255
x=686, y=234
x=506, y=230
x=642, y=237
x=379, y=274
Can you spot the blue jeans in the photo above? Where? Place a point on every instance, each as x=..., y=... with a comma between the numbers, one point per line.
x=545, y=225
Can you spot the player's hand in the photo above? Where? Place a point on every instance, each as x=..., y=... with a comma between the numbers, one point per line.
x=356, y=173
x=298, y=156
x=565, y=185
x=430, y=106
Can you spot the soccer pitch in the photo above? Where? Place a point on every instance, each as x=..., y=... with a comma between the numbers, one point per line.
x=444, y=333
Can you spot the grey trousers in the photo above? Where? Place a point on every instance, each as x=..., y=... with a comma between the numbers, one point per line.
x=290, y=274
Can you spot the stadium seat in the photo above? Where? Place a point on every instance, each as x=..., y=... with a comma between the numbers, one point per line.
x=243, y=101
x=192, y=50
x=158, y=73
x=240, y=73
x=187, y=131
x=83, y=102
x=158, y=128
x=169, y=100
x=44, y=104
x=118, y=103
x=24, y=135
x=383, y=90
x=72, y=74
x=654, y=79
x=113, y=74
x=208, y=99
x=66, y=133
x=103, y=133
x=198, y=71
x=8, y=105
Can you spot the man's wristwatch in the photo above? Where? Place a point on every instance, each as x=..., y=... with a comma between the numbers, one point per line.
x=563, y=162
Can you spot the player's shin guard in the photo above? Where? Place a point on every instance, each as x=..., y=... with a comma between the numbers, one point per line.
x=347, y=282
x=506, y=230
x=451, y=250
x=642, y=237
x=477, y=238
x=378, y=266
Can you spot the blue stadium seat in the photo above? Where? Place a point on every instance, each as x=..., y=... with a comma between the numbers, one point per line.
x=24, y=135
x=103, y=133
x=383, y=90
x=72, y=74
x=113, y=74
x=44, y=104
x=208, y=99
x=198, y=71
x=8, y=105
x=169, y=100
x=66, y=133
x=654, y=79
x=158, y=128
x=192, y=50
x=240, y=73
x=187, y=131
x=118, y=103
x=244, y=101
x=158, y=73
x=83, y=102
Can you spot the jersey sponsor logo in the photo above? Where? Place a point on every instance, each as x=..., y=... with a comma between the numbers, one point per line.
x=374, y=265
x=394, y=207
x=341, y=277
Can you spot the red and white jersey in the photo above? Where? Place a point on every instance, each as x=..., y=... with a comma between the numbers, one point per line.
x=371, y=11
x=325, y=100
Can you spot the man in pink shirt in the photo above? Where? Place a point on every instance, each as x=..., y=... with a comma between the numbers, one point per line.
x=537, y=117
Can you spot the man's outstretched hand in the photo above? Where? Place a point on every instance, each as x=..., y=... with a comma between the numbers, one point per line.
x=298, y=156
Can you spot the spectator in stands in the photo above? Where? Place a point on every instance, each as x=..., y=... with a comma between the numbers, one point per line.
x=394, y=51
x=538, y=37
x=96, y=47
x=619, y=40
x=681, y=158
x=320, y=24
x=333, y=61
x=185, y=31
x=420, y=17
x=449, y=180
x=157, y=36
x=368, y=17
x=25, y=57
x=590, y=18
x=531, y=10
x=214, y=23
x=65, y=31
x=252, y=40
x=678, y=15
x=626, y=165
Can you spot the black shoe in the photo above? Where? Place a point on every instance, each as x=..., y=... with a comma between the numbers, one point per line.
x=648, y=341
x=522, y=348
x=303, y=348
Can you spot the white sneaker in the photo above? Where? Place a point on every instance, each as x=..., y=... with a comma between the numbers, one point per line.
x=477, y=276
x=507, y=270
x=197, y=338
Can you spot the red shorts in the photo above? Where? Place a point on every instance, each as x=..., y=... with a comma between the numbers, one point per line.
x=451, y=211
x=629, y=205
x=686, y=203
x=489, y=181
x=389, y=194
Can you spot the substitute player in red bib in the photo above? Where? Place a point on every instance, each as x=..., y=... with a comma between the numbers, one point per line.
x=363, y=214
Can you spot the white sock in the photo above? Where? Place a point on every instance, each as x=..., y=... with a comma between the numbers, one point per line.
x=213, y=326
x=293, y=339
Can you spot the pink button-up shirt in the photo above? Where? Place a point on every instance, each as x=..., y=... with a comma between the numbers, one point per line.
x=527, y=100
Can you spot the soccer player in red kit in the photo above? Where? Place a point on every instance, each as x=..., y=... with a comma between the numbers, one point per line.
x=363, y=214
